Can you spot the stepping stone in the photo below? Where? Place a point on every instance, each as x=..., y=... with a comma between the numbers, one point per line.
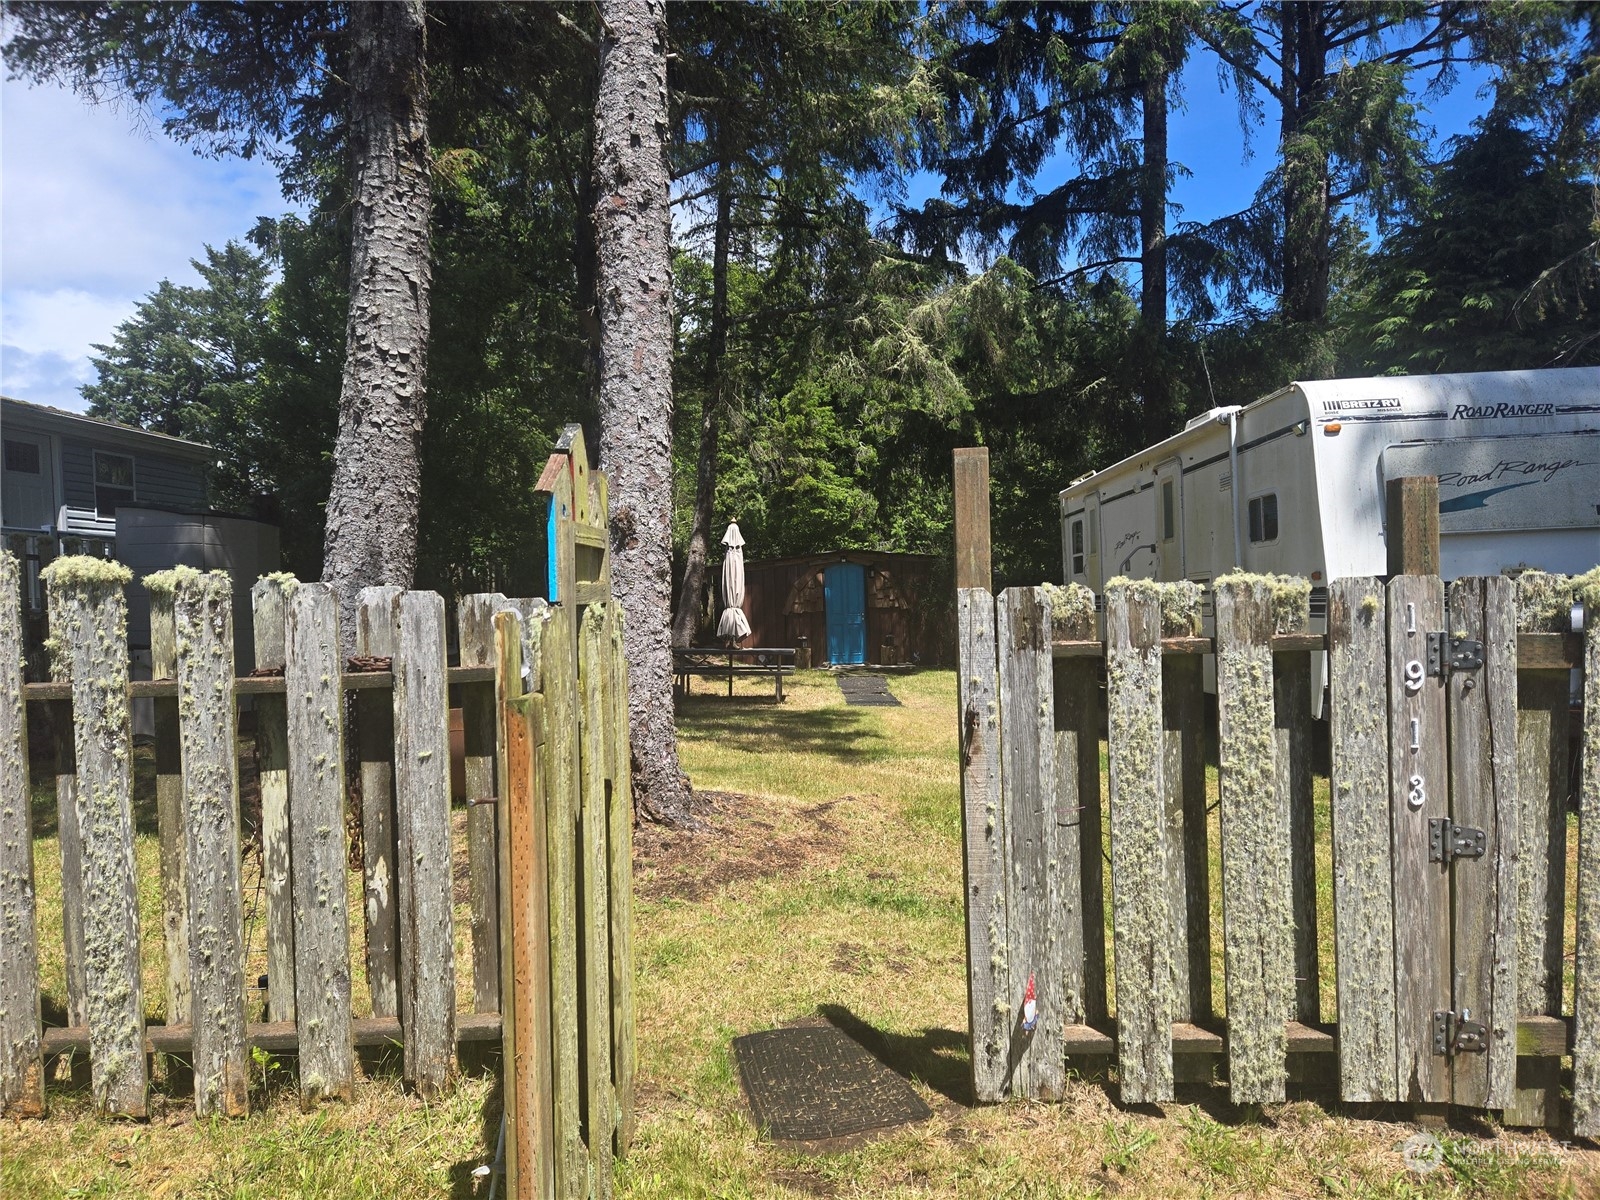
x=866, y=689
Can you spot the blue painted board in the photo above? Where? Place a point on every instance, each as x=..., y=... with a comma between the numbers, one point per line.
x=845, y=592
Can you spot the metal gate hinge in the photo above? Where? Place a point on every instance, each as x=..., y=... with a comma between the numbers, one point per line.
x=1446, y=653
x=1456, y=1034
x=1448, y=841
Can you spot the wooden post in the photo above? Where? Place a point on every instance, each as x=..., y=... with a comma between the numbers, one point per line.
x=90, y=612
x=1183, y=776
x=972, y=519
x=1586, y=993
x=1483, y=795
x=374, y=712
x=1419, y=784
x=422, y=826
x=620, y=774
x=475, y=623
x=21, y=1068
x=202, y=608
x=1257, y=895
x=1036, y=1055
x=1291, y=702
x=594, y=901
x=1363, y=880
x=316, y=791
x=1141, y=911
x=268, y=598
x=64, y=744
x=169, y=800
x=1411, y=525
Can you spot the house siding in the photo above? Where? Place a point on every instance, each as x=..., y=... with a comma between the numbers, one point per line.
x=157, y=478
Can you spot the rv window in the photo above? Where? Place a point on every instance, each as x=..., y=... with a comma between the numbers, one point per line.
x=1168, y=516
x=1077, y=547
x=113, y=482
x=1264, y=518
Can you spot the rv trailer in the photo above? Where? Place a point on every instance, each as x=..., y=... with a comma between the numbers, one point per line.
x=1293, y=483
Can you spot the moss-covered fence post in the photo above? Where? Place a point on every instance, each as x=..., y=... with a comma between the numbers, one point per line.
x=1586, y=994
x=90, y=626
x=268, y=598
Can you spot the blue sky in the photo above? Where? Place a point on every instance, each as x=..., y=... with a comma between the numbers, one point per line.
x=97, y=206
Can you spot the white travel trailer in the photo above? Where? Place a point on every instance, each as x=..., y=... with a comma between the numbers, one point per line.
x=1517, y=454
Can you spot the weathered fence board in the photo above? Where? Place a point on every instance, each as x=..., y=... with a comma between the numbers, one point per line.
x=1183, y=776
x=422, y=828
x=1363, y=879
x=374, y=715
x=1420, y=784
x=1258, y=912
x=1483, y=795
x=272, y=756
x=89, y=611
x=1291, y=702
x=21, y=1069
x=983, y=843
x=1036, y=1063
x=170, y=804
x=1141, y=911
x=620, y=771
x=202, y=607
x=593, y=894
x=475, y=626
x=1586, y=992
x=316, y=794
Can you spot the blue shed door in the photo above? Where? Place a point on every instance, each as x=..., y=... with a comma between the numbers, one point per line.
x=845, y=589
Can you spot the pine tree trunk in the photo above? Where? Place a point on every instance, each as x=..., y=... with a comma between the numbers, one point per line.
x=635, y=278
x=372, y=507
x=1153, y=257
x=690, y=595
x=1307, y=220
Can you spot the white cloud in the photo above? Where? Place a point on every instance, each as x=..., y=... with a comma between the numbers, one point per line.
x=97, y=206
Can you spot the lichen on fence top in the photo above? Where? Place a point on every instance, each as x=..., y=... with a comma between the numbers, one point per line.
x=284, y=579
x=85, y=570
x=1071, y=610
x=1288, y=595
x=1179, y=602
x=165, y=583
x=1544, y=601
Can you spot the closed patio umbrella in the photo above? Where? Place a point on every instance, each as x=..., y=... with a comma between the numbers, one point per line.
x=733, y=626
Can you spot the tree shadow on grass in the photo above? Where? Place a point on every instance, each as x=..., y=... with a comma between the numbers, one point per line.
x=936, y=1057
x=836, y=733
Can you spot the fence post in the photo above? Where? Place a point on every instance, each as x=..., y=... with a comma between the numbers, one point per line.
x=422, y=844
x=267, y=598
x=1141, y=911
x=21, y=1069
x=620, y=773
x=169, y=800
x=594, y=880
x=374, y=713
x=89, y=615
x=1183, y=777
x=475, y=624
x=983, y=834
x=202, y=611
x=1411, y=525
x=1586, y=993
x=315, y=695
x=1363, y=880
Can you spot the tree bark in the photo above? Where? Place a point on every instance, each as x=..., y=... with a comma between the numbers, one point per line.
x=1307, y=220
x=372, y=507
x=635, y=279
x=690, y=595
x=1153, y=255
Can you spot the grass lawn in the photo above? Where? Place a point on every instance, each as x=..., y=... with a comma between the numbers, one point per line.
x=826, y=881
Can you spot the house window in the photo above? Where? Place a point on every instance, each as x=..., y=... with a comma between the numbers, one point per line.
x=1169, y=515
x=1264, y=518
x=113, y=482
x=23, y=457
x=1077, y=547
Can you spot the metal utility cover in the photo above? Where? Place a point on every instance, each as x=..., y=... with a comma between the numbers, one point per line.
x=866, y=689
x=813, y=1087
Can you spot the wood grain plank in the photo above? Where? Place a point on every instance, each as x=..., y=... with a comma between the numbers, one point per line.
x=267, y=599
x=90, y=614
x=422, y=849
x=1421, y=888
x=21, y=1068
x=63, y=743
x=1035, y=1057
x=1080, y=839
x=1586, y=948
x=1363, y=876
x=170, y=803
x=594, y=911
x=971, y=474
x=1141, y=912
x=202, y=607
x=1291, y=702
x=983, y=840
x=318, y=846
x=624, y=1049
x=474, y=621
x=1257, y=893
x=376, y=621
x=1183, y=776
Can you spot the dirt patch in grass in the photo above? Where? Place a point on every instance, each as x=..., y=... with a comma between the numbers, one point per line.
x=737, y=838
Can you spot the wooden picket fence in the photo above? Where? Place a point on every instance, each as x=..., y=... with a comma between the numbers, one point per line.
x=549, y=830
x=1448, y=790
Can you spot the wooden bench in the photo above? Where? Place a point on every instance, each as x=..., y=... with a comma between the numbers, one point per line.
x=712, y=662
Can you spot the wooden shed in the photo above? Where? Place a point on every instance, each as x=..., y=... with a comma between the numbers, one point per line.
x=854, y=606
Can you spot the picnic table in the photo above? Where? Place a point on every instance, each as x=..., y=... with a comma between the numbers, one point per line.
x=717, y=662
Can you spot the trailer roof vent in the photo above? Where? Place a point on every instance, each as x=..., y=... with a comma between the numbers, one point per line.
x=1212, y=416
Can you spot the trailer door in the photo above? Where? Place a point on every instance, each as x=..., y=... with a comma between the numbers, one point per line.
x=1169, y=520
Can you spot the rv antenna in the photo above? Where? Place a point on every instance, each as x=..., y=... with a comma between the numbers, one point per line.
x=1207, y=370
